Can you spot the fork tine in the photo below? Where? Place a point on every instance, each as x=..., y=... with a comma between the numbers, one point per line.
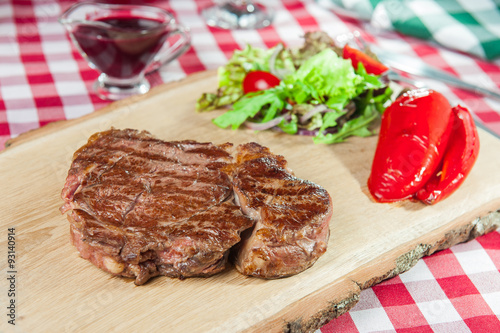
x=361, y=41
x=347, y=38
x=353, y=39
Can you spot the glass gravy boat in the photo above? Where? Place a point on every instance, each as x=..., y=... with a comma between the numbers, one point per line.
x=124, y=42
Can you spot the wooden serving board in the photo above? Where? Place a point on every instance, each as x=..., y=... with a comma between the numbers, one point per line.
x=56, y=290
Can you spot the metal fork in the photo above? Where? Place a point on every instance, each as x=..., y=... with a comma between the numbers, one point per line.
x=356, y=38
x=416, y=67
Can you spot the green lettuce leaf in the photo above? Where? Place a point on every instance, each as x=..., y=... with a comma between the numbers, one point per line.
x=250, y=105
x=357, y=126
x=324, y=78
x=289, y=127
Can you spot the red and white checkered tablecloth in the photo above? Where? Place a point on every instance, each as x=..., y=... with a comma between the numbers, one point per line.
x=44, y=79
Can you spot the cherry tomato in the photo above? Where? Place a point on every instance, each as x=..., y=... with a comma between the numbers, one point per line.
x=259, y=80
x=371, y=65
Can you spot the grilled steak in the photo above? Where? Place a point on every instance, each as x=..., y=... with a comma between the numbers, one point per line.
x=141, y=207
x=292, y=215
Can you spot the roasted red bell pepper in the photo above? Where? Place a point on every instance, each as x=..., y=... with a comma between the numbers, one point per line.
x=425, y=149
x=412, y=141
x=460, y=156
x=356, y=56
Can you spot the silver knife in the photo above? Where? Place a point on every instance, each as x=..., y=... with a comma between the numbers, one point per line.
x=417, y=67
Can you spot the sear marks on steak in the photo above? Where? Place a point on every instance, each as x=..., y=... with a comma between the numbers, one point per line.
x=141, y=207
x=292, y=215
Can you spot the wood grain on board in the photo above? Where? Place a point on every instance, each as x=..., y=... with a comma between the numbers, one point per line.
x=57, y=290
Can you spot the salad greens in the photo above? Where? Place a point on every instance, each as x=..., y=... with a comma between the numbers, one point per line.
x=232, y=74
x=320, y=93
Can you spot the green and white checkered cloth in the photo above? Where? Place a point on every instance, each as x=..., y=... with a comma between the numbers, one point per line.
x=471, y=26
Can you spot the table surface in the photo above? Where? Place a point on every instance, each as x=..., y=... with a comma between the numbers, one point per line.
x=44, y=79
